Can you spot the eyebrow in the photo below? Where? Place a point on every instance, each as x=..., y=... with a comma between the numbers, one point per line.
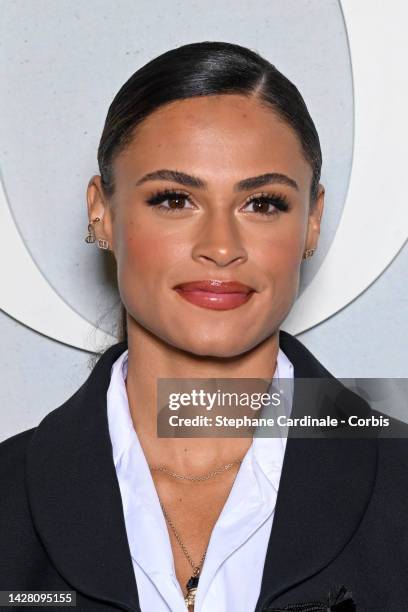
x=193, y=181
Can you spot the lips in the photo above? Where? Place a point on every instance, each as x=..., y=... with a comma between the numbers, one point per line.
x=215, y=286
x=215, y=294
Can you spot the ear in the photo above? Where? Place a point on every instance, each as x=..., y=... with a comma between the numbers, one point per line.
x=315, y=216
x=98, y=206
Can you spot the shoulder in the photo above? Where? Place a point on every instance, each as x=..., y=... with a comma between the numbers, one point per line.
x=64, y=423
x=13, y=500
x=392, y=437
x=393, y=446
x=389, y=503
x=14, y=447
x=12, y=453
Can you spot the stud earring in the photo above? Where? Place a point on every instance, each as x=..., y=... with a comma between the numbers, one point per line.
x=91, y=232
x=308, y=253
x=103, y=244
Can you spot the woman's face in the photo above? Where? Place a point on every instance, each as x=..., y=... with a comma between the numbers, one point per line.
x=210, y=189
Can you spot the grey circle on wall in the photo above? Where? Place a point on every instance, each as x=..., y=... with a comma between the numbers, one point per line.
x=62, y=65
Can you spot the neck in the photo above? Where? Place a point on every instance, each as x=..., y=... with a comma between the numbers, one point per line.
x=150, y=359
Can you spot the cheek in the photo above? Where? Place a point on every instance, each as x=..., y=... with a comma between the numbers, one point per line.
x=143, y=260
x=278, y=258
x=279, y=253
x=139, y=255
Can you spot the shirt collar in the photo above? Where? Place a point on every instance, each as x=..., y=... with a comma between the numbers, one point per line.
x=122, y=432
x=250, y=503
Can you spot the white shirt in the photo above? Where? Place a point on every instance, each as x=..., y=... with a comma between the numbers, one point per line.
x=232, y=572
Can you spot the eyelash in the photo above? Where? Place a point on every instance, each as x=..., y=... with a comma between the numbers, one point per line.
x=280, y=202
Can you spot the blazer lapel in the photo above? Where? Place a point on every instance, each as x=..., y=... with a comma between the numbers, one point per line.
x=77, y=510
x=325, y=486
x=75, y=497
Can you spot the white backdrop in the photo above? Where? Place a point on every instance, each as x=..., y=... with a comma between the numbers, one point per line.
x=61, y=65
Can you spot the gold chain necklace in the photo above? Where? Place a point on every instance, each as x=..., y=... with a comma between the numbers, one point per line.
x=220, y=470
x=192, y=582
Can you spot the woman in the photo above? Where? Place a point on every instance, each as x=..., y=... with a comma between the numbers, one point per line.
x=209, y=199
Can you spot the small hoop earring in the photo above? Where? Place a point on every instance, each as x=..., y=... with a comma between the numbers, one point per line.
x=308, y=253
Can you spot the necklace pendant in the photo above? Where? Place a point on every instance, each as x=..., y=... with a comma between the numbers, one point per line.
x=191, y=586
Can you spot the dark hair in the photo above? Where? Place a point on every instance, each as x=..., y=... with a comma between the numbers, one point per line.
x=204, y=69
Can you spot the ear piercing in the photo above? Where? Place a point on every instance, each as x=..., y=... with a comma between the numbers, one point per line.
x=91, y=232
x=308, y=253
x=102, y=243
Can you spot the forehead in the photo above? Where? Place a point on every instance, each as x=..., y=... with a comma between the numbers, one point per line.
x=222, y=136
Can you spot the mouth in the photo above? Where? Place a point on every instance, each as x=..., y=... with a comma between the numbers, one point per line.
x=215, y=294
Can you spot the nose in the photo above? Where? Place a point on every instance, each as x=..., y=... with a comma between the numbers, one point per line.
x=219, y=241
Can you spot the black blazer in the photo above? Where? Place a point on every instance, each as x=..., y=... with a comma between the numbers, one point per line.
x=341, y=518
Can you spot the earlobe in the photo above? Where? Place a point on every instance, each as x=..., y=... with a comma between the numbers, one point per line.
x=90, y=238
x=99, y=227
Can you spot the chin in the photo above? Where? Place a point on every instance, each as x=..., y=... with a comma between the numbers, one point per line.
x=215, y=346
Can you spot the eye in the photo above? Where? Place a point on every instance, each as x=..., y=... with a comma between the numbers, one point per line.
x=169, y=201
x=263, y=204
x=267, y=204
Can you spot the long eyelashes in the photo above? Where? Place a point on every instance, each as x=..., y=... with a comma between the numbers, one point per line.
x=278, y=201
x=261, y=202
x=175, y=197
